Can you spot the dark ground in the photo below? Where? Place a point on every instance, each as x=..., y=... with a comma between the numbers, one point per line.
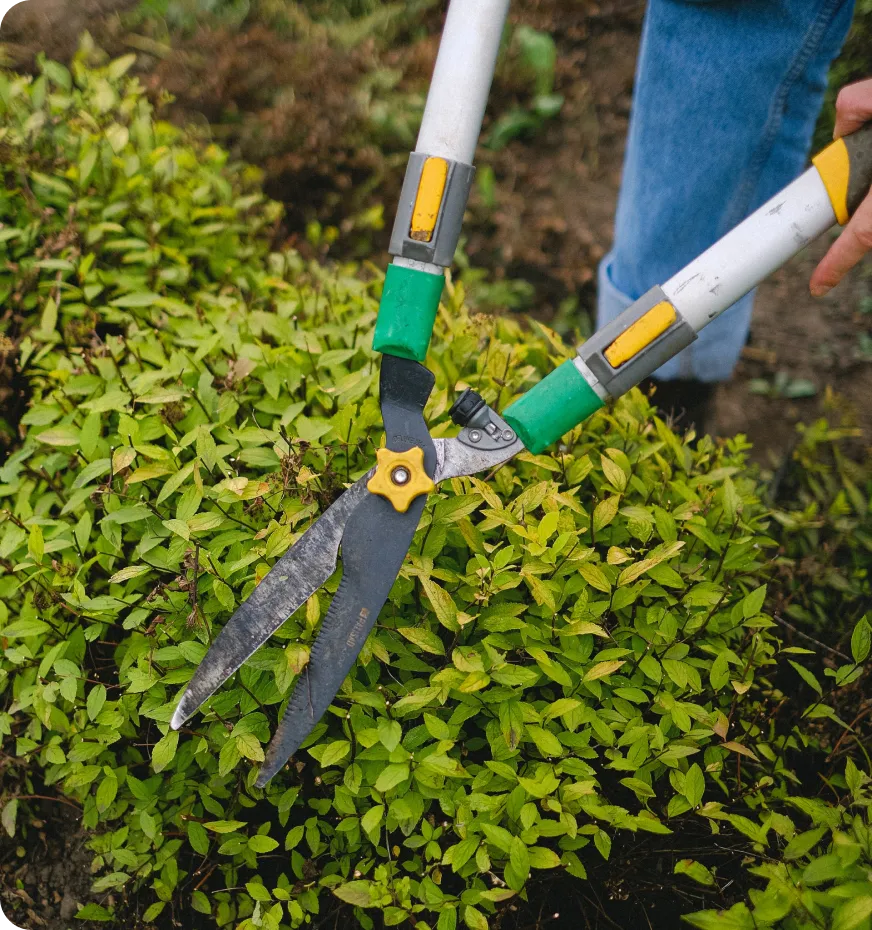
x=550, y=223
x=45, y=878
x=551, y=217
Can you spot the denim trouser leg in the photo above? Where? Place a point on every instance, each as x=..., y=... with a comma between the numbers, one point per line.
x=726, y=98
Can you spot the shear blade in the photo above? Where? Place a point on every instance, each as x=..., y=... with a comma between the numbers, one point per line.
x=291, y=581
x=374, y=546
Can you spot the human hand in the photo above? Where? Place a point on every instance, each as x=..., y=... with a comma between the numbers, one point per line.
x=853, y=109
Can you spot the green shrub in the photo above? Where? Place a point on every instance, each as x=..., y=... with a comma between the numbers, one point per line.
x=100, y=202
x=577, y=649
x=826, y=878
x=822, y=504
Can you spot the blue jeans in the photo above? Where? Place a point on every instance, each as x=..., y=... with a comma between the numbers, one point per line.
x=726, y=99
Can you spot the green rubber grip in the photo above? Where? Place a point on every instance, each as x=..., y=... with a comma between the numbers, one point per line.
x=552, y=408
x=409, y=303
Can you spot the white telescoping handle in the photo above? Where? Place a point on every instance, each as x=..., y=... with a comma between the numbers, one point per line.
x=751, y=251
x=667, y=318
x=462, y=78
x=439, y=175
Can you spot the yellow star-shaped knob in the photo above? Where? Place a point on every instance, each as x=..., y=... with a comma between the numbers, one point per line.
x=400, y=477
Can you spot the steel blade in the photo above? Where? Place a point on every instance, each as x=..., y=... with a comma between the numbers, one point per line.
x=289, y=583
x=374, y=546
x=456, y=459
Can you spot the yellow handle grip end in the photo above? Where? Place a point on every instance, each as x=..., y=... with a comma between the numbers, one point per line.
x=834, y=166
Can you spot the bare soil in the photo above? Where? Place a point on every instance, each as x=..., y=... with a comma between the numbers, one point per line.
x=45, y=877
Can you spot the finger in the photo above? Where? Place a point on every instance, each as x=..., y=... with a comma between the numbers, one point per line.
x=854, y=242
x=853, y=107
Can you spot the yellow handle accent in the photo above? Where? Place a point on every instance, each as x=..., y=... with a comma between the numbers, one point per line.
x=641, y=333
x=400, y=477
x=431, y=187
x=834, y=166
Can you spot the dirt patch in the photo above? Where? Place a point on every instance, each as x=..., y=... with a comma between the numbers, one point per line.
x=795, y=337
x=53, y=27
x=46, y=876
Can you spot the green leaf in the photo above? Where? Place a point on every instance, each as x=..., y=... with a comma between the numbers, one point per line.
x=126, y=515
x=60, y=436
x=694, y=785
x=391, y=776
x=560, y=707
x=437, y=728
x=807, y=677
x=853, y=913
x=9, y=816
x=474, y=919
x=126, y=574
x=443, y=606
x=224, y=826
x=803, y=843
x=632, y=572
x=423, y=638
x=640, y=788
x=198, y=838
x=22, y=629
x=164, y=751
x=390, y=733
x=603, y=843
x=546, y=742
x=742, y=750
x=96, y=700
x=604, y=512
x=615, y=475
x=595, y=577
x=137, y=299
x=249, y=747
x=548, y=526
x=753, y=603
x=36, y=543
x=357, y=893
x=861, y=640
x=694, y=870
x=94, y=912
x=519, y=859
x=229, y=757
x=371, y=820
x=49, y=319
x=719, y=673
x=107, y=790
x=262, y=844
x=603, y=669
x=335, y=752
x=823, y=869
x=511, y=723
x=154, y=911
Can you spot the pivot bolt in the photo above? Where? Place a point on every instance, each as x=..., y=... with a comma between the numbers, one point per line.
x=508, y=435
x=475, y=435
x=401, y=475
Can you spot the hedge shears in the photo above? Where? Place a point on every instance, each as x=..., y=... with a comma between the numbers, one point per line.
x=375, y=519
